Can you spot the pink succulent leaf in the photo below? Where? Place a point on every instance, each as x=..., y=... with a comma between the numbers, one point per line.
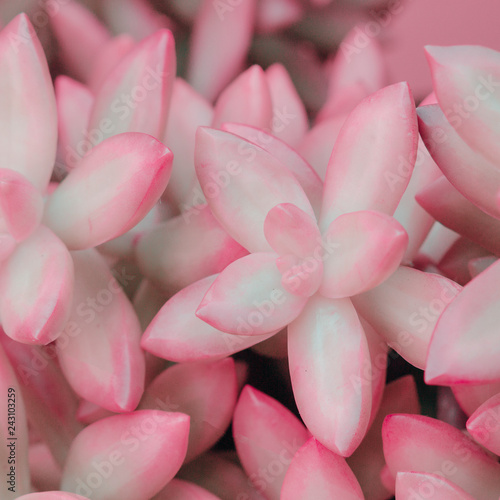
x=328, y=355
x=12, y=391
x=99, y=349
x=471, y=174
x=455, y=262
x=207, y=392
x=352, y=66
x=7, y=246
x=457, y=213
x=367, y=248
x=221, y=475
x=318, y=143
x=127, y=449
x=74, y=103
x=412, y=484
x=21, y=204
x=80, y=37
x=177, y=489
x=246, y=100
x=373, y=158
x=464, y=347
x=112, y=189
x=416, y=221
x=471, y=397
x=135, y=17
x=247, y=298
x=185, y=249
x=44, y=471
x=51, y=495
x=36, y=289
x=177, y=334
x=343, y=102
x=267, y=436
x=290, y=121
x=275, y=15
x=219, y=29
x=480, y=264
x=189, y=110
x=51, y=412
x=466, y=82
x=109, y=56
x=368, y=462
x=405, y=309
x=316, y=472
x=303, y=172
x=484, y=424
x=135, y=96
x=25, y=121
x=295, y=237
x=414, y=443
x=241, y=183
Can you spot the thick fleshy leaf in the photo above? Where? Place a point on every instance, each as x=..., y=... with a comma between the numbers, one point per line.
x=241, y=183
x=368, y=247
x=295, y=237
x=36, y=289
x=343, y=102
x=471, y=397
x=131, y=457
x=374, y=156
x=438, y=242
x=405, y=308
x=74, y=103
x=113, y=52
x=112, y=189
x=219, y=28
x=354, y=65
x=189, y=110
x=464, y=346
x=14, y=435
x=178, y=489
x=222, y=475
x=473, y=175
x=135, y=17
x=416, y=221
x=25, y=120
x=135, y=97
x=21, y=204
x=185, y=249
x=411, y=485
x=317, y=145
x=51, y=412
x=328, y=355
x=274, y=15
x=267, y=436
x=207, y=392
x=44, y=471
x=466, y=81
x=290, y=122
x=484, y=424
x=51, y=495
x=99, y=349
x=80, y=35
x=368, y=462
x=422, y=444
x=316, y=472
x=303, y=172
x=178, y=335
x=246, y=100
x=480, y=264
x=247, y=298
